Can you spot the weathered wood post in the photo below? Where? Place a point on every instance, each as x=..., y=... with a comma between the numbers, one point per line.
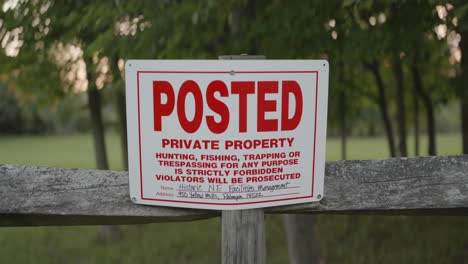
x=243, y=231
x=243, y=236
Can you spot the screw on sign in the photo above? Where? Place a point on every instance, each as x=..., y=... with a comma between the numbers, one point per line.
x=226, y=135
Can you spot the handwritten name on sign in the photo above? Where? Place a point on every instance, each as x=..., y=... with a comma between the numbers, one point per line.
x=226, y=135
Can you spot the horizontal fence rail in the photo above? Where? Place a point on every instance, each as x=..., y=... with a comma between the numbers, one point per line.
x=39, y=196
x=422, y=185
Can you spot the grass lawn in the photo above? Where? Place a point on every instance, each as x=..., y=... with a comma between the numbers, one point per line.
x=344, y=239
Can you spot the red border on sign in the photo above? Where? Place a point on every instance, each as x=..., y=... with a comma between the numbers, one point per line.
x=227, y=72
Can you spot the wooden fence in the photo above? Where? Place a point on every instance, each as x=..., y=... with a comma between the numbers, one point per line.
x=40, y=196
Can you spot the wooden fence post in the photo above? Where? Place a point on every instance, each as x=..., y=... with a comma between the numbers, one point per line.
x=243, y=236
x=303, y=244
x=243, y=231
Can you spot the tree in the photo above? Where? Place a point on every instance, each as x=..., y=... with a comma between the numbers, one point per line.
x=463, y=93
x=43, y=24
x=382, y=102
x=371, y=38
x=80, y=25
x=431, y=80
x=397, y=23
x=461, y=13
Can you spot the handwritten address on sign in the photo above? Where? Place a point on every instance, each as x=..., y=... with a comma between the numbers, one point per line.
x=226, y=135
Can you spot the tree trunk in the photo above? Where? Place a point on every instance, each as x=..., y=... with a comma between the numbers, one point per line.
x=97, y=126
x=104, y=233
x=430, y=126
x=400, y=101
x=94, y=103
x=119, y=91
x=371, y=129
x=374, y=68
x=429, y=107
x=416, y=121
x=303, y=244
x=343, y=126
x=245, y=11
x=121, y=111
x=464, y=112
x=416, y=115
x=396, y=27
x=463, y=90
x=344, y=109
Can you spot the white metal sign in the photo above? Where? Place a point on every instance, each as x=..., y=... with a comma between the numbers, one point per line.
x=226, y=134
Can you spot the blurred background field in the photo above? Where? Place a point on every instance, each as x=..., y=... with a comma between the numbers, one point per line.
x=344, y=239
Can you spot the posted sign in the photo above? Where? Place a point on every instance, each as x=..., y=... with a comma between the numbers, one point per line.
x=226, y=134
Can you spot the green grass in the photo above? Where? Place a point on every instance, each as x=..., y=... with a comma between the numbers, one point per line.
x=377, y=148
x=344, y=239
x=75, y=151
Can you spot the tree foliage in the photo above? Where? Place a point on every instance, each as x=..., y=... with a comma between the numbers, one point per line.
x=351, y=34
